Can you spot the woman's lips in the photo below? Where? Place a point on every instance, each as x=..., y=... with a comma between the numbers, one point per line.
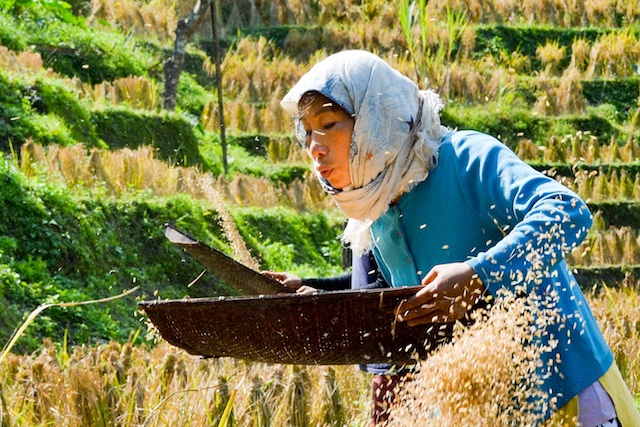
x=324, y=171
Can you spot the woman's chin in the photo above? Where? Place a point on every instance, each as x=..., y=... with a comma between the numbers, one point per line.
x=340, y=187
x=339, y=184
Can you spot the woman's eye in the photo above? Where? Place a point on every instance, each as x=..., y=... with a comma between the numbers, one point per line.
x=307, y=137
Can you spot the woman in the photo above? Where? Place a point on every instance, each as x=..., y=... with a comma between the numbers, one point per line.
x=457, y=213
x=363, y=275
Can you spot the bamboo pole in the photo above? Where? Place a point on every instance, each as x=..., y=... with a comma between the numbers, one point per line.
x=216, y=52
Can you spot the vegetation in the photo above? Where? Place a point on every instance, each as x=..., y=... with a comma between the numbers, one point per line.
x=74, y=242
x=91, y=167
x=127, y=385
x=132, y=385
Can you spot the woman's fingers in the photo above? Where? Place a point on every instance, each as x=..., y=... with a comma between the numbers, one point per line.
x=433, y=317
x=422, y=297
x=274, y=275
x=449, y=291
x=427, y=312
x=286, y=279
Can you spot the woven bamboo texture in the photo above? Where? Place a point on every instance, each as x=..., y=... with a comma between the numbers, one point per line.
x=331, y=328
x=239, y=276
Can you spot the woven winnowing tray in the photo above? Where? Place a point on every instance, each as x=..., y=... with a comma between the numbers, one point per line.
x=330, y=328
x=273, y=325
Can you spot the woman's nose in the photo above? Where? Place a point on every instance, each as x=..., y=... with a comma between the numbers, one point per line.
x=317, y=148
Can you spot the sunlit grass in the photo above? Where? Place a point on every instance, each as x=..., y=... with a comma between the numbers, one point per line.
x=618, y=314
x=128, y=385
x=134, y=91
x=125, y=385
x=612, y=246
x=149, y=18
x=581, y=147
x=115, y=173
x=124, y=170
x=120, y=171
x=376, y=14
x=256, y=74
x=121, y=384
x=23, y=62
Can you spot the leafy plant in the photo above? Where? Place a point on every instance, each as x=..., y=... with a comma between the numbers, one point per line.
x=86, y=53
x=171, y=134
x=58, y=8
x=11, y=35
x=288, y=240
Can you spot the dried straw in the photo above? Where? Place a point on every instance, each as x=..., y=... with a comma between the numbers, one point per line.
x=488, y=376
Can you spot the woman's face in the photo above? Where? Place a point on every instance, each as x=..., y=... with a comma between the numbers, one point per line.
x=328, y=130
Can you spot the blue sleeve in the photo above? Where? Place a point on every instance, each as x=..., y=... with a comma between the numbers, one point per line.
x=541, y=220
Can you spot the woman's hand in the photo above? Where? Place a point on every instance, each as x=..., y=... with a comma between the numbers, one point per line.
x=448, y=292
x=290, y=281
x=287, y=279
x=306, y=290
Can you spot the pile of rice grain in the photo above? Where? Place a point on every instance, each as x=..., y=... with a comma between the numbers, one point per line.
x=489, y=375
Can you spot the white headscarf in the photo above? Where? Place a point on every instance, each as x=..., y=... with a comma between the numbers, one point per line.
x=395, y=140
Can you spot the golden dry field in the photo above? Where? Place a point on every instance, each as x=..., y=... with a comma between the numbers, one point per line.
x=557, y=81
x=126, y=385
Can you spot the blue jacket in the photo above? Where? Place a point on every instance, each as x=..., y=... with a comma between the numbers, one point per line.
x=513, y=225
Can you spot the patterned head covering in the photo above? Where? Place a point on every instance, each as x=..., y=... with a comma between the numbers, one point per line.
x=395, y=139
